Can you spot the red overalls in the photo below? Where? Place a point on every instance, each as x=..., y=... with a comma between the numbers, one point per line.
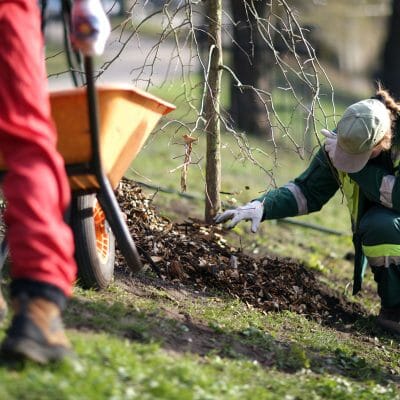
x=36, y=186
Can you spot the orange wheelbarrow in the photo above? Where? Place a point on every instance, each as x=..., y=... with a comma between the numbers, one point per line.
x=100, y=132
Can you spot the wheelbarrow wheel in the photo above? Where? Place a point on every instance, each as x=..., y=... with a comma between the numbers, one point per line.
x=94, y=243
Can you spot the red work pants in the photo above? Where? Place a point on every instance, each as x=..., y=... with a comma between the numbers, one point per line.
x=36, y=186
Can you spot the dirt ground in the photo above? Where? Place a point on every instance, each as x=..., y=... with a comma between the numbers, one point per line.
x=198, y=256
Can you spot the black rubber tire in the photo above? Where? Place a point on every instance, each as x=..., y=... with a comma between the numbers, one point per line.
x=95, y=267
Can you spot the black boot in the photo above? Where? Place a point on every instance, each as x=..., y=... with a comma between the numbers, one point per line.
x=389, y=319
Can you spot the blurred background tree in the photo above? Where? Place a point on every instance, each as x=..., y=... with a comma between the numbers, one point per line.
x=252, y=63
x=390, y=59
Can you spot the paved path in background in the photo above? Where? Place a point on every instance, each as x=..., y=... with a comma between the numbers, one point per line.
x=125, y=69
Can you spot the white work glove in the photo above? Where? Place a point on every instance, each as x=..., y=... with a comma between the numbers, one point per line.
x=252, y=211
x=330, y=142
x=90, y=27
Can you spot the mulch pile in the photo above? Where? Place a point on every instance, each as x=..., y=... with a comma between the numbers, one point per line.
x=196, y=254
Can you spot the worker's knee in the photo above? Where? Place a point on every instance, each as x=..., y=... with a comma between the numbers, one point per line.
x=380, y=226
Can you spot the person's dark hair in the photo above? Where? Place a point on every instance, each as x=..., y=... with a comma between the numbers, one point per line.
x=384, y=96
x=394, y=108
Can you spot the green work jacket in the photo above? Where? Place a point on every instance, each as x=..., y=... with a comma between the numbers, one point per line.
x=376, y=183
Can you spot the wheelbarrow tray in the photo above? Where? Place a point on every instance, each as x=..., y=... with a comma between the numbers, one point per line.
x=126, y=118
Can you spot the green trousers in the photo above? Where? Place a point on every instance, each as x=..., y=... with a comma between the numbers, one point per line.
x=379, y=230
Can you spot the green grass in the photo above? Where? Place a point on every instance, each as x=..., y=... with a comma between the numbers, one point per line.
x=249, y=354
x=120, y=370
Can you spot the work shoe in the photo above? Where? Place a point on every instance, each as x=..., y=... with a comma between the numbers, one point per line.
x=389, y=319
x=36, y=331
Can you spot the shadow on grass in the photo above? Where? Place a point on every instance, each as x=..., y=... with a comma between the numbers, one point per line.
x=175, y=330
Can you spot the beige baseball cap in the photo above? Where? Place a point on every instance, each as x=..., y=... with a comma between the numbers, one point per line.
x=362, y=126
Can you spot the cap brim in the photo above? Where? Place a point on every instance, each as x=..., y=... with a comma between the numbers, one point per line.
x=348, y=162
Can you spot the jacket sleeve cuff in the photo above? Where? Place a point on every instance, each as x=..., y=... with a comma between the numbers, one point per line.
x=279, y=203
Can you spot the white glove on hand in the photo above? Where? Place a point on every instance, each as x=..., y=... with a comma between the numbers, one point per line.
x=252, y=211
x=90, y=27
x=330, y=142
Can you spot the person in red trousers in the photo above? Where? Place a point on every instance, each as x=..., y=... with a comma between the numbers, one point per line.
x=35, y=186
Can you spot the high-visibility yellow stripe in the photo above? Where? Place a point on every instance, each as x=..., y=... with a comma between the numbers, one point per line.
x=351, y=192
x=382, y=250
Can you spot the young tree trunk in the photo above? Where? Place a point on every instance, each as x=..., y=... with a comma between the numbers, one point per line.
x=252, y=64
x=212, y=113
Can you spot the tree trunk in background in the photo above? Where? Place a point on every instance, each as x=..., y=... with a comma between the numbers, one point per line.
x=252, y=64
x=390, y=75
x=212, y=113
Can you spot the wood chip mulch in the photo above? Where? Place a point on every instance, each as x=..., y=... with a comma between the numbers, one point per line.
x=197, y=254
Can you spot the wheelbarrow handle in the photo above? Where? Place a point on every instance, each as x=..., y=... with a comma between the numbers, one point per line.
x=93, y=110
x=106, y=195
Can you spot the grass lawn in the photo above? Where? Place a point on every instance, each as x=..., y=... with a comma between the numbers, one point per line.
x=145, y=340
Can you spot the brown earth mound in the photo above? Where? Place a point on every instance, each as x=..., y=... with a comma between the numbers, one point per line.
x=197, y=254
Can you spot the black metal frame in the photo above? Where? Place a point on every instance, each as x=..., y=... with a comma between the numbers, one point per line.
x=105, y=195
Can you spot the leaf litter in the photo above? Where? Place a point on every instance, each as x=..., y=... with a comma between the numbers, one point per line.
x=196, y=254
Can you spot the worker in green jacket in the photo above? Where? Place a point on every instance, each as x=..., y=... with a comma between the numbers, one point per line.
x=361, y=157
